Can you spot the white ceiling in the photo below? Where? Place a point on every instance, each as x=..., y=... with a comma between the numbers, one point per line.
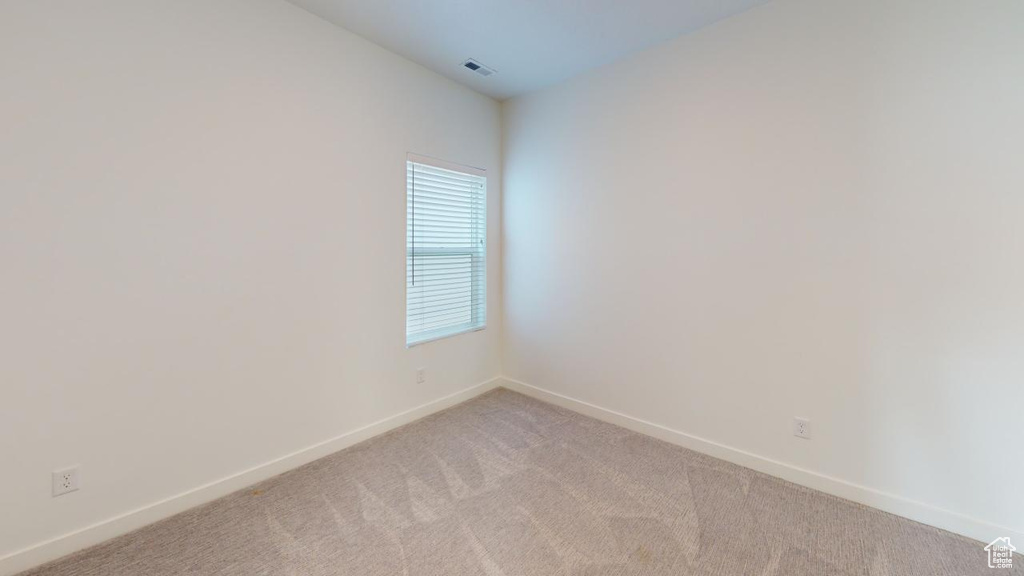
x=531, y=43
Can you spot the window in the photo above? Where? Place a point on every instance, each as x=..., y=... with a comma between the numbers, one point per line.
x=446, y=250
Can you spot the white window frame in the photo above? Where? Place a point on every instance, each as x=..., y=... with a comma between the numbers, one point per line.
x=478, y=320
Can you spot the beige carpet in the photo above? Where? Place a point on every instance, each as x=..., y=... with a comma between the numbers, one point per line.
x=506, y=485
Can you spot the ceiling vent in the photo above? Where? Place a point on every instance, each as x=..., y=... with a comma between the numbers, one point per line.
x=479, y=68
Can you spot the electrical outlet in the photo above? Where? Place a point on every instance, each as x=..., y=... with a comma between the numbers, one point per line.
x=802, y=428
x=65, y=481
x=421, y=376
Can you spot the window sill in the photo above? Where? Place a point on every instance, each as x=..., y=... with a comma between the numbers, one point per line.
x=443, y=335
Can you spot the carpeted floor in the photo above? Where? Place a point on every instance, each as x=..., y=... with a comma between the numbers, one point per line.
x=506, y=485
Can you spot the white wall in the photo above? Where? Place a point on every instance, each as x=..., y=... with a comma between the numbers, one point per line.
x=815, y=208
x=202, y=245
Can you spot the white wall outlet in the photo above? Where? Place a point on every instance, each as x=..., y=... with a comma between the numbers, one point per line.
x=421, y=376
x=65, y=481
x=802, y=428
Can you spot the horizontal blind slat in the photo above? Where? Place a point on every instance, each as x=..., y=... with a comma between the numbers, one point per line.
x=440, y=312
x=435, y=203
x=428, y=187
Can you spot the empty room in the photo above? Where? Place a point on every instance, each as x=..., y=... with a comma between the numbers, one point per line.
x=511, y=287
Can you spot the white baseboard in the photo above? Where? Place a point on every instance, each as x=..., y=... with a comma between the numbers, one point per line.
x=102, y=531
x=913, y=510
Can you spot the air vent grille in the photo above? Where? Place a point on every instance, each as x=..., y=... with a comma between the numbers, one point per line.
x=478, y=68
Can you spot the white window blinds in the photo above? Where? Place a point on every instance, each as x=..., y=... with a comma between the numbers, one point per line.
x=446, y=250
